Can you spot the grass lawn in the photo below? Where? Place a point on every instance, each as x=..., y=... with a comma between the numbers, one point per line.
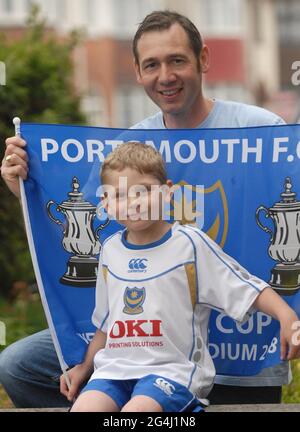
x=23, y=318
x=291, y=393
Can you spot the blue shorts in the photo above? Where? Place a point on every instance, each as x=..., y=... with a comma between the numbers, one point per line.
x=170, y=395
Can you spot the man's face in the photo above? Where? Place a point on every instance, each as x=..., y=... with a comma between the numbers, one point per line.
x=169, y=71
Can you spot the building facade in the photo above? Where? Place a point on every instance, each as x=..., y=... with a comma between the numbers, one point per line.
x=241, y=35
x=288, y=12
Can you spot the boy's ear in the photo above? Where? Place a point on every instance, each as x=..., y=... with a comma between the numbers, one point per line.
x=102, y=208
x=170, y=190
x=104, y=201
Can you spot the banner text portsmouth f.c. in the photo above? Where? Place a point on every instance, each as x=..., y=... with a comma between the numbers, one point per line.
x=246, y=184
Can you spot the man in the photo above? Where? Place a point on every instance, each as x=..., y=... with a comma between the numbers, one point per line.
x=169, y=60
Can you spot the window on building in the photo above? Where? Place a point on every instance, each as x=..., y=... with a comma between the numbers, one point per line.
x=46, y=8
x=289, y=18
x=222, y=16
x=28, y=5
x=61, y=9
x=257, y=21
x=92, y=105
x=15, y=12
x=132, y=106
x=91, y=10
x=128, y=14
x=8, y=6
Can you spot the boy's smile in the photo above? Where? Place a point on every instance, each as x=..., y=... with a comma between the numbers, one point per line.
x=135, y=200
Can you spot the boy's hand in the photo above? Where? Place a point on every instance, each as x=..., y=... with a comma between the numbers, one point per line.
x=272, y=304
x=78, y=375
x=290, y=336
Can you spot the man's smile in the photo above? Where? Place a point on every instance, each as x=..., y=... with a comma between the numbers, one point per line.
x=170, y=93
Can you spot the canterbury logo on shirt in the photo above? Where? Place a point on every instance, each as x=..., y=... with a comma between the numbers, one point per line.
x=165, y=386
x=137, y=265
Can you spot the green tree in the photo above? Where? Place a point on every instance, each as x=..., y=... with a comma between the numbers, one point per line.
x=38, y=89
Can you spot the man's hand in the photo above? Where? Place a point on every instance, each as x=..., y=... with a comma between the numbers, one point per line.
x=14, y=164
x=78, y=375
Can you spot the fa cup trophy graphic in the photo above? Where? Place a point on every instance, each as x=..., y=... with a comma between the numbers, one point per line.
x=79, y=239
x=285, y=240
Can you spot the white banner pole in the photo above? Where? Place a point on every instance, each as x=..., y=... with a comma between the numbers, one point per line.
x=63, y=365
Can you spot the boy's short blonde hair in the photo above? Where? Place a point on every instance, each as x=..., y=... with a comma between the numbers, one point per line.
x=136, y=155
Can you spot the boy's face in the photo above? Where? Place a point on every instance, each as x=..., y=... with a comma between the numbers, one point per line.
x=134, y=199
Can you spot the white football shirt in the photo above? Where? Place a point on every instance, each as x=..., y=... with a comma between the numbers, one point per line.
x=154, y=302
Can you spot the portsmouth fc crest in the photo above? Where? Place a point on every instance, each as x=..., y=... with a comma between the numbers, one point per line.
x=133, y=299
x=188, y=208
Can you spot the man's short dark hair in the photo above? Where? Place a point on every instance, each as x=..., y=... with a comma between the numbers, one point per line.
x=163, y=20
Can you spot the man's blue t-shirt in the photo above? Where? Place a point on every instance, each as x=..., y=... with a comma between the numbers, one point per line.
x=224, y=114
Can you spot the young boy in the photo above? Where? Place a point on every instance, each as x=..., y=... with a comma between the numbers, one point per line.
x=156, y=285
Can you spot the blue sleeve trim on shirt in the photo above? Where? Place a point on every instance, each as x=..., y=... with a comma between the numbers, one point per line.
x=224, y=262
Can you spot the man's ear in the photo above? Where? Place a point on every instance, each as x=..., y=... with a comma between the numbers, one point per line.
x=137, y=71
x=204, y=59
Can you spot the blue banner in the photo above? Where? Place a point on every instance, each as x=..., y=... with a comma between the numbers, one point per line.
x=242, y=187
